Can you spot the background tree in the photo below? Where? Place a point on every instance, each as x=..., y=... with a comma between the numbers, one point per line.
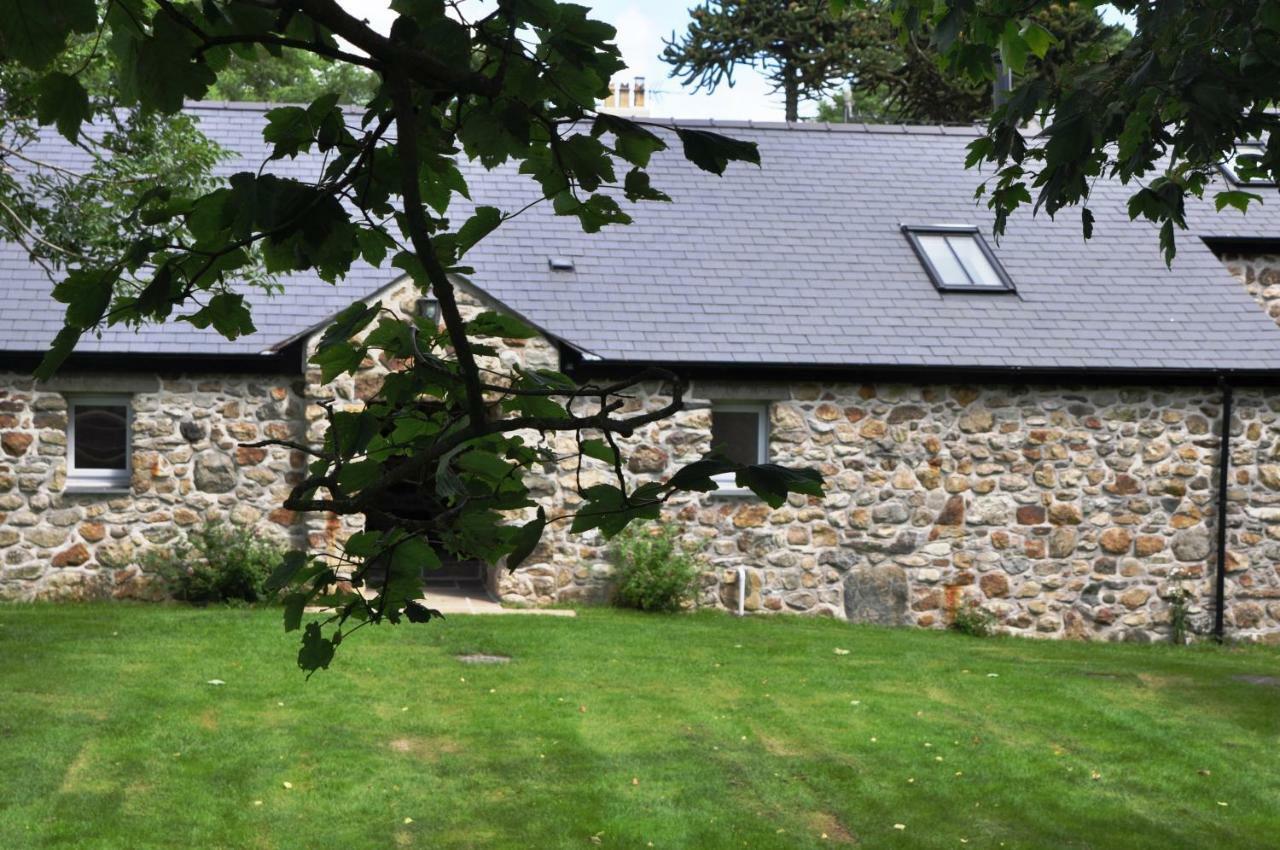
x=1196, y=80
x=802, y=47
x=63, y=216
x=897, y=76
x=809, y=50
x=441, y=452
x=291, y=76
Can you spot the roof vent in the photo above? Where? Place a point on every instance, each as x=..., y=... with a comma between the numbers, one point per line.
x=560, y=264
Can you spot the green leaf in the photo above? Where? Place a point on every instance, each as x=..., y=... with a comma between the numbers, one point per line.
x=600, y=450
x=1013, y=50
x=62, y=101
x=499, y=325
x=1236, y=199
x=59, y=350
x=294, y=604
x=1168, y=243
x=526, y=539
x=337, y=359
x=353, y=319
x=289, y=565
x=226, y=313
x=772, y=482
x=34, y=31
x=1038, y=39
x=415, y=554
x=290, y=129
x=481, y=224
x=87, y=294
x=374, y=245
x=636, y=187
x=363, y=544
x=698, y=475
x=416, y=612
x=317, y=650
x=484, y=464
x=356, y=476
x=713, y=152
x=610, y=510
x=631, y=141
x=167, y=70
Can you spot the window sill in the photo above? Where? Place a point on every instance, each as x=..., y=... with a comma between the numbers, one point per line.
x=730, y=493
x=111, y=488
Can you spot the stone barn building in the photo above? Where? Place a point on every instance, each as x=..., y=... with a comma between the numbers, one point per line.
x=1036, y=425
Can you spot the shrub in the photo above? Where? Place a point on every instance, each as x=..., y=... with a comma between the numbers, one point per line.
x=1179, y=612
x=216, y=564
x=973, y=620
x=654, y=571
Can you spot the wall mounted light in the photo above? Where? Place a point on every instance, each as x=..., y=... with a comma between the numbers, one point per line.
x=429, y=309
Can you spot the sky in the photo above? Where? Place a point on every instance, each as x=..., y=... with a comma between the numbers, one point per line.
x=642, y=26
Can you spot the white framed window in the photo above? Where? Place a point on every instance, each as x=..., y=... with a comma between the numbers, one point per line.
x=99, y=442
x=740, y=432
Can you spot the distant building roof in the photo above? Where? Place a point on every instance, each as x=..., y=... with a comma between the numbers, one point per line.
x=799, y=262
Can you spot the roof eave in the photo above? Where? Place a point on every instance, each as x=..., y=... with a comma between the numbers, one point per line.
x=285, y=361
x=940, y=374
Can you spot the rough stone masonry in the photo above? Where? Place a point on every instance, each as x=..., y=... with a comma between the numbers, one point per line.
x=1066, y=511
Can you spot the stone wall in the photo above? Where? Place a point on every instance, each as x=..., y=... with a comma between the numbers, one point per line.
x=1260, y=274
x=1066, y=512
x=350, y=392
x=187, y=470
x=188, y=466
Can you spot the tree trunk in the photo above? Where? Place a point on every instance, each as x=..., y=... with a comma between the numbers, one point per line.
x=791, y=90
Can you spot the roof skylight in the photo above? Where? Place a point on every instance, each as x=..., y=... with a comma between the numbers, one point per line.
x=1231, y=168
x=957, y=259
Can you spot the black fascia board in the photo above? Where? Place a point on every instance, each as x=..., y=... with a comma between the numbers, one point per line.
x=287, y=361
x=1005, y=375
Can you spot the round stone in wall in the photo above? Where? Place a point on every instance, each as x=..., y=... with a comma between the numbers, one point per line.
x=191, y=431
x=876, y=595
x=215, y=472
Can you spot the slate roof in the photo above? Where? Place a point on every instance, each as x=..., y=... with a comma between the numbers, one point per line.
x=800, y=262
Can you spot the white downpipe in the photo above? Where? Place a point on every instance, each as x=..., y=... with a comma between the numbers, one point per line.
x=742, y=591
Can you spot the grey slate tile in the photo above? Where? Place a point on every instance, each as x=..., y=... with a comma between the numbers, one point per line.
x=798, y=261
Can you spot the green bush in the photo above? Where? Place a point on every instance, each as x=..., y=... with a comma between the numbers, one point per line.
x=973, y=620
x=654, y=571
x=216, y=564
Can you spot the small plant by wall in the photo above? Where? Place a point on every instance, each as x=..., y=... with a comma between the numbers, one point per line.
x=970, y=618
x=1180, y=600
x=218, y=563
x=654, y=571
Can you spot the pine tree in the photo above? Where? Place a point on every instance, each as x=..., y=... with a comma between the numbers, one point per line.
x=802, y=47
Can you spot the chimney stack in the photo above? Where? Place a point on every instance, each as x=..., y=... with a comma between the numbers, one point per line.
x=627, y=98
x=1002, y=86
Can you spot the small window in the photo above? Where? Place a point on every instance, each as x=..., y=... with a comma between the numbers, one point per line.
x=98, y=442
x=957, y=258
x=1246, y=155
x=740, y=432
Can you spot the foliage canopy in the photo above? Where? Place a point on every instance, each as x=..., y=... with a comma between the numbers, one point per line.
x=436, y=461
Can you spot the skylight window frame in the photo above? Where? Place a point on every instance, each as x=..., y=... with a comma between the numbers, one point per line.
x=914, y=231
x=1228, y=167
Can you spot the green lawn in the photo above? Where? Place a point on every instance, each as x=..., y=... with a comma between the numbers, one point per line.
x=621, y=730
